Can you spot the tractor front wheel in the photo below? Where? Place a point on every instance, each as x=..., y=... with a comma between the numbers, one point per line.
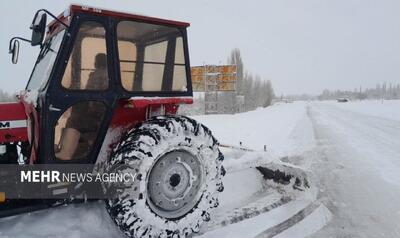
x=179, y=166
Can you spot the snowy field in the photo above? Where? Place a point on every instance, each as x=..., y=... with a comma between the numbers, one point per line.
x=351, y=150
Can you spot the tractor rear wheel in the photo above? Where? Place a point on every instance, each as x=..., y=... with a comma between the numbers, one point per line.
x=178, y=163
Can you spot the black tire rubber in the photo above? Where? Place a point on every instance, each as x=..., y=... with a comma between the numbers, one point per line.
x=142, y=146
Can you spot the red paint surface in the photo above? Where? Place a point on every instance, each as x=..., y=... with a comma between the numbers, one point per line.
x=127, y=116
x=130, y=112
x=144, y=102
x=13, y=135
x=12, y=111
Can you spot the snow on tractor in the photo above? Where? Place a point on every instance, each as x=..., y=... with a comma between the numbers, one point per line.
x=105, y=89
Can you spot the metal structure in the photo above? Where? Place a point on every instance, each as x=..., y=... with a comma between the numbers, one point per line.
x=212, y=79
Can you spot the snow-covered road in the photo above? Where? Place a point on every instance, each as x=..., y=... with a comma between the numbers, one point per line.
x=357, y=164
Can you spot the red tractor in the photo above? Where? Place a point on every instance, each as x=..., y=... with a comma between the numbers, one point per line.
x=105, y=89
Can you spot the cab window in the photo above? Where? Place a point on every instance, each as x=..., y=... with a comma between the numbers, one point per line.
x=87, y=64
x=76, y=130
x=151, y=57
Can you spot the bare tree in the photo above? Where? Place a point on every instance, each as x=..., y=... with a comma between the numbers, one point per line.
x=236, y=59
x=256, y=91
x=269, y=93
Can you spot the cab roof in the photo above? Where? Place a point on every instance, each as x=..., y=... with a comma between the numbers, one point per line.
x=65, y=17
x=97, y=11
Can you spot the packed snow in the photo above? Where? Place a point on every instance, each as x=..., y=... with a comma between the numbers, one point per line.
x=357, y=166
x=387, y=109
x=349, y=149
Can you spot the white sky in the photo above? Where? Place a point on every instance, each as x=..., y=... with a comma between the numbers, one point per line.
x=303, y=46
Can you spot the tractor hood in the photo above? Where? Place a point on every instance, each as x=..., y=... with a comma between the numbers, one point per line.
x=13, y=122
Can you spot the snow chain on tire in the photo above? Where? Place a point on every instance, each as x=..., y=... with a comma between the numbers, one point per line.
x=194, y=168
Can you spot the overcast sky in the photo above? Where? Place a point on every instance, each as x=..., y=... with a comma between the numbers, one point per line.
x=302, y=46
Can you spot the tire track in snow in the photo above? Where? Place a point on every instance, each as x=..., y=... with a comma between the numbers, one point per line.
x=246, y=212
x=298, y=217
x=249, y=213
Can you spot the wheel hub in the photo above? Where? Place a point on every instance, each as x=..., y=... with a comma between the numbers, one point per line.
x=173, y=184
x=175, y=180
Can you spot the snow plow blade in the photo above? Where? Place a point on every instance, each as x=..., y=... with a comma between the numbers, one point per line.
x=283, y=177
x=271, y=167
x=256, y=182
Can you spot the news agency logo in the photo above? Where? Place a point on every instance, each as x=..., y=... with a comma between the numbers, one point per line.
x=41, y=176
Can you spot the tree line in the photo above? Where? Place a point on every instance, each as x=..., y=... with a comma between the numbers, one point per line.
x=381, y=91
x=7, y=97
x=255, y=91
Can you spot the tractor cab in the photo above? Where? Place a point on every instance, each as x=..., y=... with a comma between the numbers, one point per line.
x=99, y=70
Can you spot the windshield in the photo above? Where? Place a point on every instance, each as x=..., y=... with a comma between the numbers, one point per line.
x=45, y=62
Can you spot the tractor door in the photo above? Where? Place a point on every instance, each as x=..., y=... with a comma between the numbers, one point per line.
x=79, y=100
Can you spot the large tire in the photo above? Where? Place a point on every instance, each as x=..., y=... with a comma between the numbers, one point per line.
x=180, y=170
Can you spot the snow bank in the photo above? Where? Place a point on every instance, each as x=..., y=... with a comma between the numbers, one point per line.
x=272, y=126
x=73, y=221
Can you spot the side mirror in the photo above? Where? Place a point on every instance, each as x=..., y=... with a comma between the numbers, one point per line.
x=13, y=48
x=38, y=28
x=14, y=51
